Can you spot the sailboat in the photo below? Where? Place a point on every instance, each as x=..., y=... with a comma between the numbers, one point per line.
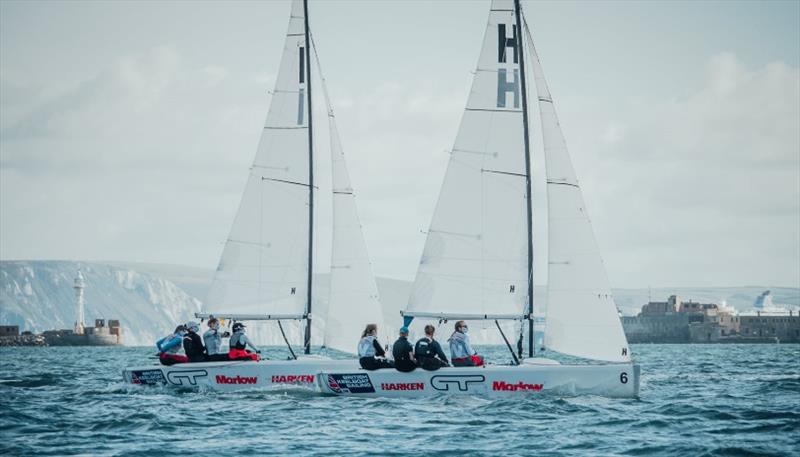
x=477, y=264
x=266, y=269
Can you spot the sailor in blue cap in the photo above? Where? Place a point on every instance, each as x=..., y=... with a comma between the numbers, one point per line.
x=403, y=352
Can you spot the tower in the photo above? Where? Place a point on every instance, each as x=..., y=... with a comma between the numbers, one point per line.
x=80, y=284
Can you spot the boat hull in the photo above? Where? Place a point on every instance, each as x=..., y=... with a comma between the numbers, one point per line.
x=613, y=380
x=237, y=375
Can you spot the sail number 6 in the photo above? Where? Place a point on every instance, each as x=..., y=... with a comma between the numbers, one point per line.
x=623, y=378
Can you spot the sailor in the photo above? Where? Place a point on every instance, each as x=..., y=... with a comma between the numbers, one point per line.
x=462, y=353
x=429, y=352
x=193, y=344
x=169, y=346
x=239, y=343
x=404, y=353
x=371, y=354
x=213, y=340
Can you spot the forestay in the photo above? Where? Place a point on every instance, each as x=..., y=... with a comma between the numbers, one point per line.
x=582, y=318
x=264, y=265
x=475, y=260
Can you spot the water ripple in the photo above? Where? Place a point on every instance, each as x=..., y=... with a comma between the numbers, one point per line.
x=695, y=400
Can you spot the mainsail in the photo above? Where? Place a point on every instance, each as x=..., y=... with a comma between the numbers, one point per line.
x=264, y=265
x=475, y=258
x=582, y=319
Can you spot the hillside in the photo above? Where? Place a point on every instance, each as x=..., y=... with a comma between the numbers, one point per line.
x=150, y=300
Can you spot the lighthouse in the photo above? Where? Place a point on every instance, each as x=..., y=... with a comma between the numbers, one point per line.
x=80, y=284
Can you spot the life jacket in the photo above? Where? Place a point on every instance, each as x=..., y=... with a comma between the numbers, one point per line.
x=459, y=344
x=366, y=347
x=212, y=340
x=424, y=348
x=238, y=341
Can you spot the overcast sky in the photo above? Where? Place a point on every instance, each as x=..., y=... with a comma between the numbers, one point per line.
x=127, y=128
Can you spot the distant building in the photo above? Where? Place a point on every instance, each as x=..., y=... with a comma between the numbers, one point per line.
x=661, y=307
x=784, y=328
x=99, y=335
x=80, y=284
x=675, y=321
x=10, y=336
x=80, y=335
x=9, y=330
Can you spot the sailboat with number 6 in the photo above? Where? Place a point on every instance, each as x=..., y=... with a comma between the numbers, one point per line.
x=477, y=263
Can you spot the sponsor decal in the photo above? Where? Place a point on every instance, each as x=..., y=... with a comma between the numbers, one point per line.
x=148, y=377
x=293, y=379
x=334, y=385
x=350, y=383
x=185, y=377
x=222, y=379
x=402, y=386
x=456, y=381
x=504, y=386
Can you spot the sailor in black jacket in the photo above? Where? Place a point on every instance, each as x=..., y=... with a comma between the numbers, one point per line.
x=193, y=343
x=428, y=352
x=404, y=353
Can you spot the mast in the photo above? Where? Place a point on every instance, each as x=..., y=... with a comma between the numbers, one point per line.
x=521, y=54
x=307, y=339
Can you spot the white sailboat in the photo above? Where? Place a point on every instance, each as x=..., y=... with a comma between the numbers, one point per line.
x=478, y=258
x=266, y=269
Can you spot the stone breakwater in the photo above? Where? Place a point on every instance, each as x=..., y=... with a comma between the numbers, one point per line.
x=23, y=340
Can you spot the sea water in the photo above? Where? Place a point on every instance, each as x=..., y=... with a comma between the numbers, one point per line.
x=695, y=400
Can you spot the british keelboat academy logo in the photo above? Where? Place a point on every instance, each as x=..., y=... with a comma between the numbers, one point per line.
x=333, y=385
x=355, y=383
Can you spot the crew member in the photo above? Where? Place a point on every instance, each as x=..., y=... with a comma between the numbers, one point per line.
x=403, y=352
x=371, y=354
x=193, y=344
x=213, y=340
x=462, y=353
x=169, y=346
x=429, y=352
x=239, y=343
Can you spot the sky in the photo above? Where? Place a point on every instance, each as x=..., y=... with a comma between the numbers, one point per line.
x=127, y=128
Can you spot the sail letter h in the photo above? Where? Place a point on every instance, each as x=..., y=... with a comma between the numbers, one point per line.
x=503, y=86
x=503, y=42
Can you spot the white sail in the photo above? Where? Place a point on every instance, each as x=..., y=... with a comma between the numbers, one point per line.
x=475, y=255
x=264, y=265
x=353, y=300
x=582, y=318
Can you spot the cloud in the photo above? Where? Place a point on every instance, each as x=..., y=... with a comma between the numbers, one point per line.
x=705, y=189
x=127, y=161
x=146, y=161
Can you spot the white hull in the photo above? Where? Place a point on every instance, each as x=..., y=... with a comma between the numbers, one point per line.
x=238, y=375
x=613, y=380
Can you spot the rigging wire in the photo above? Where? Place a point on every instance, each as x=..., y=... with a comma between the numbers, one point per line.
x=286, y=340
